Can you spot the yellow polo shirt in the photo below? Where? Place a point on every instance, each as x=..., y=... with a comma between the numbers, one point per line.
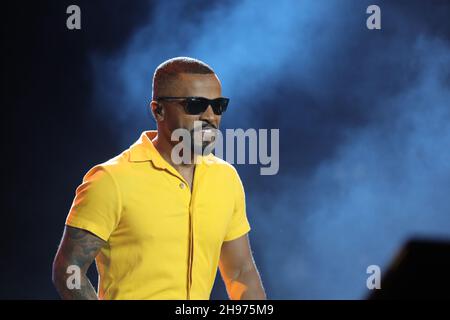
x=163, y=242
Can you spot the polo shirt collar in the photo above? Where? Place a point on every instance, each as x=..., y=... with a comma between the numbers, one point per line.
x=144, y=150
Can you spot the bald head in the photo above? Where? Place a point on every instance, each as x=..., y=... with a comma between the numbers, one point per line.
x=169, y=77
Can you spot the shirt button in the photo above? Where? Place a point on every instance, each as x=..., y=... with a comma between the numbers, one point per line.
x=182, y=185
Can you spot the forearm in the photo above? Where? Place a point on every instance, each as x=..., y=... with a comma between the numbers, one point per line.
x=247, y=286
x=85, y=291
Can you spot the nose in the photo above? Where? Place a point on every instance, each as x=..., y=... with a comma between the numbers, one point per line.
x=209, y=115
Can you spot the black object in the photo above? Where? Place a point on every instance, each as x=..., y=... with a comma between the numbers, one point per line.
x=421, y=270
x=198, y=105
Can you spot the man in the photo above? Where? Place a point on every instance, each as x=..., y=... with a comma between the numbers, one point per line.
x=159, y=228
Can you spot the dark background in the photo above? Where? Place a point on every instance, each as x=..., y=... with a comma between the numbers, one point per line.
x=363, y=118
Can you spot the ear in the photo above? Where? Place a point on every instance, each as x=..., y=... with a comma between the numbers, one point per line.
x=157, y=111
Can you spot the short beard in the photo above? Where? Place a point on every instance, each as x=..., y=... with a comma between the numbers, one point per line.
x=199, y=146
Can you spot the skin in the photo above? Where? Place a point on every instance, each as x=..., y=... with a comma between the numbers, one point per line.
x=78, y=247
x=239, y=272
x=237, y=267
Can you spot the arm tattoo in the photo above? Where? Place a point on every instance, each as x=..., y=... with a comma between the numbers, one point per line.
x=78, y=247
x=83, y=246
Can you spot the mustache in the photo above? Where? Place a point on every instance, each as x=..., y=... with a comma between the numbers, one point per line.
x=206, y=125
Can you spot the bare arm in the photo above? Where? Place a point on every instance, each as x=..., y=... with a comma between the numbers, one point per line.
x=239, y=272
x=78, y=248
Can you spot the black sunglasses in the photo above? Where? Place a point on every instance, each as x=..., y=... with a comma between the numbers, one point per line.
x=198, y=105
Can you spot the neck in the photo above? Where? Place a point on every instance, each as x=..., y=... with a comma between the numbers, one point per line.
x=165, y=147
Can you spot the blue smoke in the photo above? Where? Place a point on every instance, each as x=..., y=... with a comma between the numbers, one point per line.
x=363, y=118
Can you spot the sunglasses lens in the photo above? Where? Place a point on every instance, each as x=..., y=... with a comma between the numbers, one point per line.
x=196, y=106
x=219, y=105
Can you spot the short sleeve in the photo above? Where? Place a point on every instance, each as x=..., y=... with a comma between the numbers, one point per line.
x=239, y=224
x=96, y=207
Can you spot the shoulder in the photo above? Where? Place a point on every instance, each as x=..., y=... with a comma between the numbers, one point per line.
x=112, y=168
